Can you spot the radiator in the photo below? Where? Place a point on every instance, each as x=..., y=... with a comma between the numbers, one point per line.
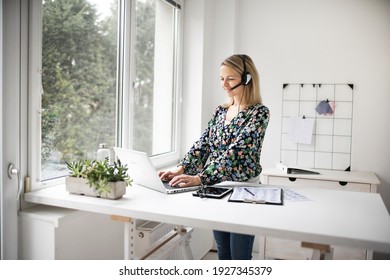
x=148, y=232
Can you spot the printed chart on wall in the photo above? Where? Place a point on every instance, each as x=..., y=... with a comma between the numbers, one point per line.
x=317, y=125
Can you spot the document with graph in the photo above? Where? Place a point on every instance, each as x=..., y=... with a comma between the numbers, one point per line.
x=259, y=195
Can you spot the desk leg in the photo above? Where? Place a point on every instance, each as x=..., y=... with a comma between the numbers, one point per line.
x=262, y=240
x=129, y=240
x=369, y=255
x=129, y=231
x=185, y=243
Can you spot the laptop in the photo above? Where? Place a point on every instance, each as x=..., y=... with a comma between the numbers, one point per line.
x=143, y=173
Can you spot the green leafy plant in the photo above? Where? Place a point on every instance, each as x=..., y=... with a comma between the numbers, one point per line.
x=99, y=173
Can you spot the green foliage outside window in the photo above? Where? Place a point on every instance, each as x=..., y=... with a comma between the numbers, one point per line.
x=79, y=78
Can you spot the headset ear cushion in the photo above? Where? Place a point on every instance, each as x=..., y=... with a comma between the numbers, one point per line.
x=247, y=78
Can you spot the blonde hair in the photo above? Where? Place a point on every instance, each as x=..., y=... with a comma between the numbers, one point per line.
x=251, y=92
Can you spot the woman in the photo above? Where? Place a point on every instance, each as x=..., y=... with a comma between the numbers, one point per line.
x=230, y=147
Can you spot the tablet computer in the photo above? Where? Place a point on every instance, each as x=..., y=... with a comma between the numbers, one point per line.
x=213, y=192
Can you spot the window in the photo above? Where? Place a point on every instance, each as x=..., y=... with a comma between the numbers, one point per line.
x=106, y=72
x=154, y=81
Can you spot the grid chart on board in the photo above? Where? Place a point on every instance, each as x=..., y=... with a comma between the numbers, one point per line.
x=330, y=147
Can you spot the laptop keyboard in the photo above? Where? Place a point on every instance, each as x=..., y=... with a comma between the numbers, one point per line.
x=168, y=186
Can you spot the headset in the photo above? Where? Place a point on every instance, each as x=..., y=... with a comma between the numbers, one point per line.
x=246, y=78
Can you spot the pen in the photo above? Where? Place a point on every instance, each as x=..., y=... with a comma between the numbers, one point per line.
x=249, y=192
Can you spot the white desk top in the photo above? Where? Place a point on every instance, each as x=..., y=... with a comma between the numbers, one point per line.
x=350, y=219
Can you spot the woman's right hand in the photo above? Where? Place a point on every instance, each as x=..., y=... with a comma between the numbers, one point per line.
x=168, y=175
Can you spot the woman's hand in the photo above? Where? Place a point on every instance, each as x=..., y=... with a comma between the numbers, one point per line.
x=167, y=176
x=178, y=179
x=184, y=181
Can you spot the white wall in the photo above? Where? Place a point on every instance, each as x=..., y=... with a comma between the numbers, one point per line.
x=206, y=44
x=192, y=71
x=313, y=41
x=1, y=129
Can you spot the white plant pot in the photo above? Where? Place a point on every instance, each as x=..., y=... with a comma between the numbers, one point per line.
x=80, y=186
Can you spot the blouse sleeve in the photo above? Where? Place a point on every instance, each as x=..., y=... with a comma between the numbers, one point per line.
x=241, y=160
x=196, y=158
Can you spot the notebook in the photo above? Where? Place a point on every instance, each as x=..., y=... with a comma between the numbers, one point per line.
x=143, y=173
x=265, y=194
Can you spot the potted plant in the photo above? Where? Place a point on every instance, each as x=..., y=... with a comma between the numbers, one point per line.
x=97, y=178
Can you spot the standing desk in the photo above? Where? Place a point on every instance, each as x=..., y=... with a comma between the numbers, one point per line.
x=351, y=219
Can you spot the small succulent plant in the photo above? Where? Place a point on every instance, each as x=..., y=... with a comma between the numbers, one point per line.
x=99, y=173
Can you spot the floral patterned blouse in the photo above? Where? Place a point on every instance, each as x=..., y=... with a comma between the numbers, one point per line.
x=229, y=152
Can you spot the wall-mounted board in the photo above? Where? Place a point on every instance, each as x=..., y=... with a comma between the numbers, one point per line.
x=331, y=140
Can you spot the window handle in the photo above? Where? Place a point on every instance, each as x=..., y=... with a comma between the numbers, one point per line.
x=11, y=172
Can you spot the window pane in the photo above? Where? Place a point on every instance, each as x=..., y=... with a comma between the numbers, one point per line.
x=79, y=65
x=153, y=88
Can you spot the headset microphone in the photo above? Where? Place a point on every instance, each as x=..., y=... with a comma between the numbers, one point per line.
x=236, y=86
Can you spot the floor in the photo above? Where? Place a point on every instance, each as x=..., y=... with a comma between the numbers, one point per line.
x=212, y=255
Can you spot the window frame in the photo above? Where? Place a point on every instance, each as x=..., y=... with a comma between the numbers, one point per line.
x=125, y=91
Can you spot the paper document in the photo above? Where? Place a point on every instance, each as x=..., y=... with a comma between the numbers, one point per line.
x=292, y=195
x=301, y=130
x=261, y=195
